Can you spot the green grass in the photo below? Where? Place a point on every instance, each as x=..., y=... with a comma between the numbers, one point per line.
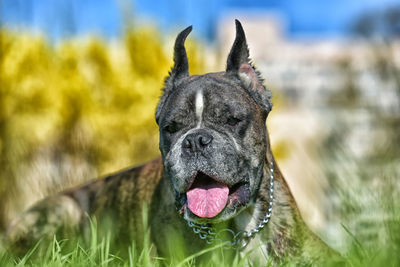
x=98, y=251
x=380, y=249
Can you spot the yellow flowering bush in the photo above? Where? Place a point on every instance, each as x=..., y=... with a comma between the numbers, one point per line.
x=77, y=109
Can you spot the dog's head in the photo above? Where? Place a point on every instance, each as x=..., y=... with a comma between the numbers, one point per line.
x=212, y=133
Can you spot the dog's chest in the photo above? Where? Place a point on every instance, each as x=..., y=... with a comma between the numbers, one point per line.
x=257, y=247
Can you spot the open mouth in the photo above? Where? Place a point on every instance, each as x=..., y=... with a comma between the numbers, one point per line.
x=207, y=197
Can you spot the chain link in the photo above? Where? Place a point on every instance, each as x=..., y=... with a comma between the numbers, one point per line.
x=241, y=238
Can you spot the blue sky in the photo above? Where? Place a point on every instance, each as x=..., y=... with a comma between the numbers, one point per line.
x=64, y=18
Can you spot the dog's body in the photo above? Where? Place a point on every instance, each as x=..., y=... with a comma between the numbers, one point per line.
x=216, y=168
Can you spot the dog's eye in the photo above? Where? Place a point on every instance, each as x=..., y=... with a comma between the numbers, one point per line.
x=232, y=121
x=171, y=128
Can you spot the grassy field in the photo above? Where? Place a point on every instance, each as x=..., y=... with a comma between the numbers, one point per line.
x=100, y=250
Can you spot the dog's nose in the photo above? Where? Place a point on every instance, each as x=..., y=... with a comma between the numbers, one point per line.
x=196, y=142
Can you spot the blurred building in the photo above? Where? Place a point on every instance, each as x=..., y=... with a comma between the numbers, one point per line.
x=63, y=19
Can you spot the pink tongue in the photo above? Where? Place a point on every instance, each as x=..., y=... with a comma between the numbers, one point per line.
x=207, y=200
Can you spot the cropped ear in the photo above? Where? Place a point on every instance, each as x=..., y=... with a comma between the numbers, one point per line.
x=239, y=53
x=179, y=70
x=239, y=65
x=181, y=66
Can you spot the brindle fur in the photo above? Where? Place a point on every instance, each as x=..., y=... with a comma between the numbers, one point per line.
x=116, y=201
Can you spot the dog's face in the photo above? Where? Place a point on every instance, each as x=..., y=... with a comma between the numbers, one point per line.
x=213, y=135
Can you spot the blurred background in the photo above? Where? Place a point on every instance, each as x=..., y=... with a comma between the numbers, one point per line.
x=79, y=83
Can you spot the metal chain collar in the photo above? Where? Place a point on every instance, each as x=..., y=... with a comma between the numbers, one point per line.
x=241, y=238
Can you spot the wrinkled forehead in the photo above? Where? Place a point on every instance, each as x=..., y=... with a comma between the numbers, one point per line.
x=214, y=89
x=199, y=95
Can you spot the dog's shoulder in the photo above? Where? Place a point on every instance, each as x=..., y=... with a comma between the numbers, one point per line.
x=70, y=210
x=125, y=187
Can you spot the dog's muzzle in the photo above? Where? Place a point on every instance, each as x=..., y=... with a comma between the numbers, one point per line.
x=197, y=142
x=207, y=197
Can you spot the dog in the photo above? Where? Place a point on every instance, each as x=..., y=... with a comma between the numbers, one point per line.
x=216, y=180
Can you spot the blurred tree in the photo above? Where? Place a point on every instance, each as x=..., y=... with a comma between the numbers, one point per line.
x=349, y=95
x=375, y=24
x=381, y=30
x=363, y=180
